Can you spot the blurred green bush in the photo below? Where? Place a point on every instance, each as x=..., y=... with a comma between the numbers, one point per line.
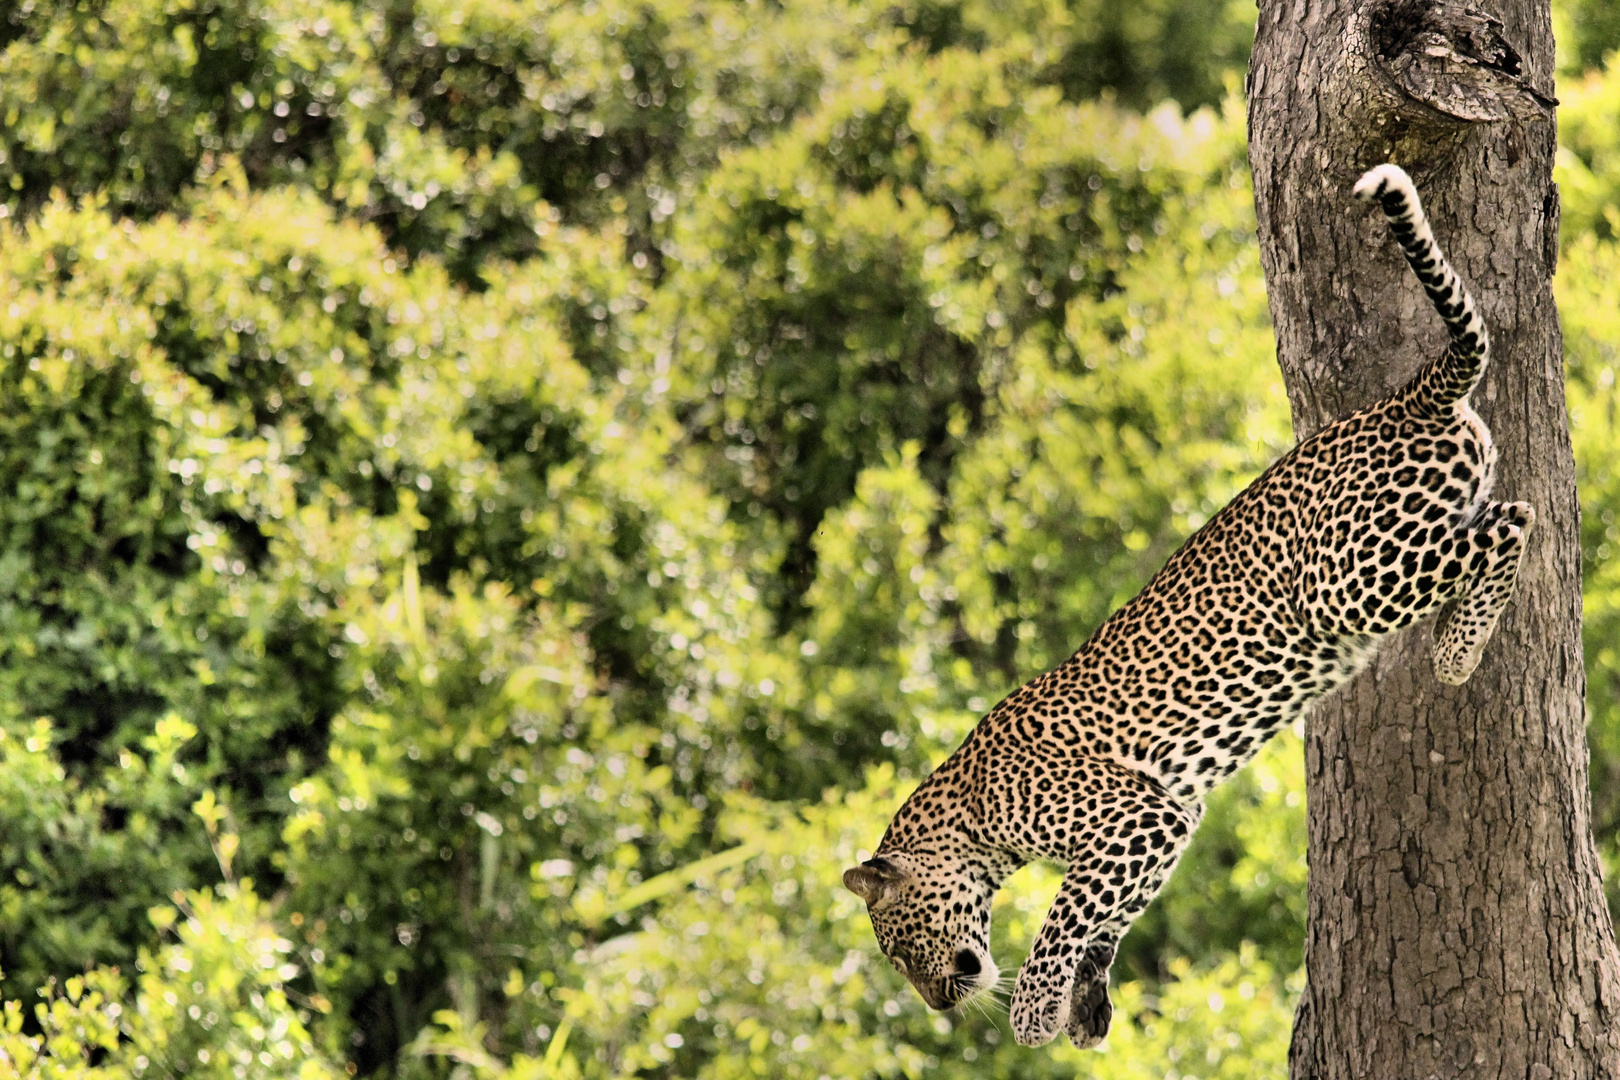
x=498, y=502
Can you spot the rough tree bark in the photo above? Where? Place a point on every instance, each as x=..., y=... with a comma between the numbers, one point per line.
x=1457, y=925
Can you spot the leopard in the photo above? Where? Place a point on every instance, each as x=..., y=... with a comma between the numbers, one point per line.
x=1378, y=520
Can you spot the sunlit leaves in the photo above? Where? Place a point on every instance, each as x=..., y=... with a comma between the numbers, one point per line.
x=213, y=1003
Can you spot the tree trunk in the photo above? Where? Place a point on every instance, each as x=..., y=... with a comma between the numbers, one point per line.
x=1457, y=924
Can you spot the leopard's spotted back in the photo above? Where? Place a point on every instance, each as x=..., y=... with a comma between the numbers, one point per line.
x=1376, y=521
x=1279, y=599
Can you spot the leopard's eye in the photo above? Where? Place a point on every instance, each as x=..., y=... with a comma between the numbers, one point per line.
x=967, y=963
x=899, y=965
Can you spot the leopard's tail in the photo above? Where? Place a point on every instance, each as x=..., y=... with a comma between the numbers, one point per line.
x=1448, y=379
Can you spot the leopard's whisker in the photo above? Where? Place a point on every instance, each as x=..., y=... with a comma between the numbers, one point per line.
x=979, y=1004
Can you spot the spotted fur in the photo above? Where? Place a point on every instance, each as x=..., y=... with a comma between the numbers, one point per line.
x=1372, y=523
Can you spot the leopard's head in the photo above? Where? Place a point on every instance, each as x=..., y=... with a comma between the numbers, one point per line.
x=932, y=918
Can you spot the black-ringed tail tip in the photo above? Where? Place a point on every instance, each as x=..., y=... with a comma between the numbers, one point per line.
x=1376, y=183
x=1449, y=379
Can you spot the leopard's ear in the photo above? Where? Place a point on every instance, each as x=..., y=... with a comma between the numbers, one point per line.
x=873, y=880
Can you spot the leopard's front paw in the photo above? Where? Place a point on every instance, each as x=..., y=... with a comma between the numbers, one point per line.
x=1090, y=1010
x=1040, y=1009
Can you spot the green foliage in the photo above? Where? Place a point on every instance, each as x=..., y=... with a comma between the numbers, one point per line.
x=531, y=485
x=1588, y=168
x=1586, y=31
x=1192, y=52
x=444, y=120
x=472, y=606
x=213, y=1003
x=66, y=896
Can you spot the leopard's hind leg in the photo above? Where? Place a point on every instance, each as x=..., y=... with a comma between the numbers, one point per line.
x=1496, y=547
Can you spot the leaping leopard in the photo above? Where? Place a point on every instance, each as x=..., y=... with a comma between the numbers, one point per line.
x=1370, y=524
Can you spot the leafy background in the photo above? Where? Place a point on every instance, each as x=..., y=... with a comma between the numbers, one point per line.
x=499, y=500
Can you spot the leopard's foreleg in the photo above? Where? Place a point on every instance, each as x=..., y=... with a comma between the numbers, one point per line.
x=1130, y=846
x=1090, y=1010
